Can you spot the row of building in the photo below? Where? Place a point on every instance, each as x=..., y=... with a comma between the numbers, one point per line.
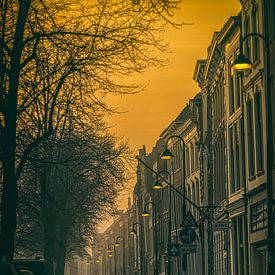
x=221, y=171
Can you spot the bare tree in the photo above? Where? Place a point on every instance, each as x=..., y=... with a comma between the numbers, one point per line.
x=62, y=202
x=47, y=46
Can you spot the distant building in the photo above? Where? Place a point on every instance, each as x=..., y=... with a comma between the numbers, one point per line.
x=111, y=253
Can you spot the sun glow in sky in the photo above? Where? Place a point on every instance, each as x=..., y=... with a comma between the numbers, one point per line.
x=147, y=114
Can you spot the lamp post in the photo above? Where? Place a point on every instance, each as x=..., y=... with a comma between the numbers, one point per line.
x=134, y=232
x=110, y=255
x=242, y=63
x=158, y=185
x=201, y=209
x=167, y=155
x=117, y=244
x=98, y=261
x=145, y=213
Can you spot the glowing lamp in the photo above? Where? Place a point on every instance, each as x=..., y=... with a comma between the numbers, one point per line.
x=157, y=185
x=241, y=63
x=166, y=154
x=133, y=232
x=145, y=213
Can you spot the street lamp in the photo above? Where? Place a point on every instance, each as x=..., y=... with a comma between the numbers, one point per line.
x=201, y=209
x=117, y=244
x=170, y=208
x=145, y=213
x=134, y=232
x=167, y=154
x=111, y=255
x=242, y=63
x=157, y=185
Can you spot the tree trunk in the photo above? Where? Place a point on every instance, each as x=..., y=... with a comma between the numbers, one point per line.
x=8, y=206
x=60, y=258
x=48, y=221
x=49, y=252
x=10, y=194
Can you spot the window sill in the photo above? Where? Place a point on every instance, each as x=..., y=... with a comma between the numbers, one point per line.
x=251, y=178
x=260, y=173
x=237, y=192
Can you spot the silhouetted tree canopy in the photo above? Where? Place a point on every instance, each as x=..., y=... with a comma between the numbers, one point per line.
x=58, y=60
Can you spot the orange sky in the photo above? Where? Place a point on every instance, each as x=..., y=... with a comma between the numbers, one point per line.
x=171, y=87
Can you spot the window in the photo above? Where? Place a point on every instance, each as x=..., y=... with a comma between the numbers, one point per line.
x=219, y=179
x=193, y=196
x=220, y=253
x=235, y=157
x=258, y=216
x=192, y=156
x=234, y=84
x=231, y=161
x=255, y=29
x=178, y=203
x=250, y=139
x=196, y=156
x=231, y=89
x=188, y=194
x=238, y=246
x=197, y=192
x=187, y=162
x=222, y=164
x=258, y=131
x=238, y=91
x=176, y=150
x=246, y=41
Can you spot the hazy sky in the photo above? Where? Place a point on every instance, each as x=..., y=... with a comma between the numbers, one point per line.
x=171, y=87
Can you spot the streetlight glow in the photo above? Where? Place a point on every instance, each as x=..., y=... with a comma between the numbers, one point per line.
x=145, y=213
x=166, y=154
x=241, y=63
x=157, y=185
x=133, y=232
